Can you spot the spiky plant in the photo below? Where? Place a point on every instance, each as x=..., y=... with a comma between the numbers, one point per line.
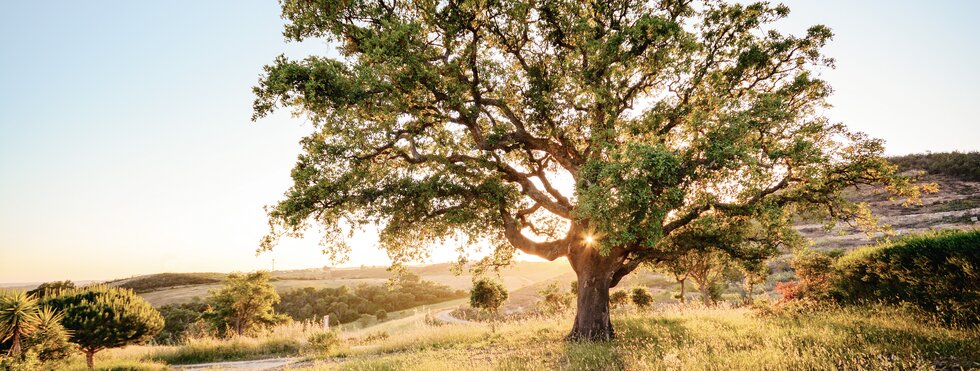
x=18, y=318
x=50, y=338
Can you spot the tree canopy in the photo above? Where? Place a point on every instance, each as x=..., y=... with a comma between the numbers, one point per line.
x=100, y=317
x=244, y=305
x=588, y=130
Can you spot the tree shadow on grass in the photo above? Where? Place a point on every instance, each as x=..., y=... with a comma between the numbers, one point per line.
x=652, y=329
x=903, y=342
x=599, y=355
x=649, y=336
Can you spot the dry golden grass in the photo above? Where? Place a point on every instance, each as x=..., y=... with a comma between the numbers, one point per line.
x=669, y=338
x=676, y=338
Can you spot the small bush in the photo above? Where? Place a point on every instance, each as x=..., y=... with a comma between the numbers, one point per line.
x=47, y=288
x=28, y=361
x=371, y=337
x=815, y=274
x=641, y=297
x=49, y=342
x=323, y=341
x=618, y=298
x=182, y=321
x=554, y=300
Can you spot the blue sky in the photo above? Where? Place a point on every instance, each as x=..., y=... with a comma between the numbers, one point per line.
x=126, y=146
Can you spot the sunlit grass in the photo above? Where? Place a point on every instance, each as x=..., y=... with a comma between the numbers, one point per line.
x=670, y=338
x=694, y=338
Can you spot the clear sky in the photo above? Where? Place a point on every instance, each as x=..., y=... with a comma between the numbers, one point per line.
x=126, y=146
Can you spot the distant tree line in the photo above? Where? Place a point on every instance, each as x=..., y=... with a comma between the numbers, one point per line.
x=962, y=165
x=345, y=304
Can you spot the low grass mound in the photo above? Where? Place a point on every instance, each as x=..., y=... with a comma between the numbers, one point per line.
x=159, y=281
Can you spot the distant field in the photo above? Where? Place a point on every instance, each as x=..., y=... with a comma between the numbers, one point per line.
x=172, y=288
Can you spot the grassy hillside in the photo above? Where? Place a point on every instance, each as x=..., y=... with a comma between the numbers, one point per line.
x=670, y=338
x=159, y=281
x=955, y=206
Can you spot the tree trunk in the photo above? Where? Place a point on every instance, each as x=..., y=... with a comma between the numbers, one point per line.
x=15, y=347
x=748, y=296
x=682, y=290
x=595, y=276
x=705, y=297
x=90, y=359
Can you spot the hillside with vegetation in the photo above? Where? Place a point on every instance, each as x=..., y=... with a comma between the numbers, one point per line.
x=955, y=204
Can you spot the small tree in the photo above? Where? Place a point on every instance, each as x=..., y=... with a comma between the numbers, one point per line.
x=754, y=273
x=618, y=298
x=706, y=270
x=245, y=304
x=18, y=318
x=678, y=269
x=641, y=297
x=101, y=317
x=488, y=295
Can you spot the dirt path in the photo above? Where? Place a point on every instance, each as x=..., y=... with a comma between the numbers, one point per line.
x=259, y=364
x=445, y=315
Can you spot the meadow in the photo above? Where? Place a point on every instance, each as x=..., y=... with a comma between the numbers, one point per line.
x=670, y=337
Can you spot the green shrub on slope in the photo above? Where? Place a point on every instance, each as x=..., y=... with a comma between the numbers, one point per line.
x=938, y=272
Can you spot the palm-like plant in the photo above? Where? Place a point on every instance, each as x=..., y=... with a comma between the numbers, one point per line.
x=18, y=317
x=49, y=339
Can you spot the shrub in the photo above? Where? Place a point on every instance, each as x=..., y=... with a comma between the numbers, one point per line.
x=618, y=298
x=815, y=274
x=323, y=341
x=938, y=272
x=181, y=320
x=554, y=300
x=787, y=290
x=28, y=361
x=641, y=297
x=49, y=341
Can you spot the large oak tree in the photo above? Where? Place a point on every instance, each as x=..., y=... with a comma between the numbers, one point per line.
x=586, y=130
